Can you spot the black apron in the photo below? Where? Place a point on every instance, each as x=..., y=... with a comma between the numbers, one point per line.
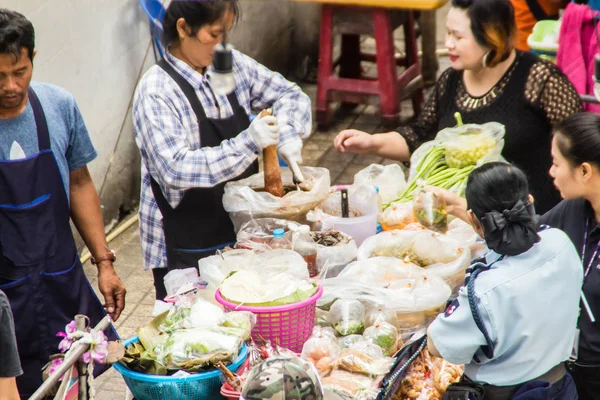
x=199, y=225
x=40, y=271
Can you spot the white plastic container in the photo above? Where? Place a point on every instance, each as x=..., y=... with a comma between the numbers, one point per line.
x=359, y=228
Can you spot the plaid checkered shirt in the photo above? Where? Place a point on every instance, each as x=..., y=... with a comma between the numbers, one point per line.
x=166, y=132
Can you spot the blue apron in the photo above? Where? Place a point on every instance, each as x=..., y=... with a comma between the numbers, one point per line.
x=40, y=271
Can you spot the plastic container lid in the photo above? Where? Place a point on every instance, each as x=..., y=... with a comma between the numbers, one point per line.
x=278, y=233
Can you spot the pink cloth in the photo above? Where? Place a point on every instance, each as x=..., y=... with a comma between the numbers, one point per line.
x=577, y=49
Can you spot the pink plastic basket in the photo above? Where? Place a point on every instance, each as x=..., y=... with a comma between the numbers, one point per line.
x=289, y=326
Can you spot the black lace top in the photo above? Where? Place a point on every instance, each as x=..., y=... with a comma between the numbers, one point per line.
x=531, y=96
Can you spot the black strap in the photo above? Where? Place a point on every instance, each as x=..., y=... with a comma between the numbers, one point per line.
x=40, y=121
x=538, y=12
x=190, y=92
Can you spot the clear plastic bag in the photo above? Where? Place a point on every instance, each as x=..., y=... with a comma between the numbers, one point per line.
x=348, y=317
x=215, y=269
x=244, y=200
x=411, y=292
x=321, y=352
x=384, y=335
x=364, y=358
x=430, y=210
x=472, y=144
x=351, y=386
x=397, y=216
x=335, y=250
x=256, y=234
x=381, y=313
x=345, y=342
x=439, y=254
x=389, y=179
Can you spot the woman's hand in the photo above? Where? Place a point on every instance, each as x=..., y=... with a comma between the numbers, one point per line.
x=354, y=141
x=457, y=205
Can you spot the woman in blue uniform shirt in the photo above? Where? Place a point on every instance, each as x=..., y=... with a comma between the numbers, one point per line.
x=513, y=323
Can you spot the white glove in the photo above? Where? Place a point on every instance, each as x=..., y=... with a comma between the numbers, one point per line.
x=264, y=131
x=291, y=152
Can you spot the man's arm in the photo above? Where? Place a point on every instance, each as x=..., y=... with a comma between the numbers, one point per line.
x=87, y=216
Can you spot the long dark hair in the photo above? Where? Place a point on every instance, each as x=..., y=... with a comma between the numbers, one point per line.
x=578, y=138
x=493, y=26
x=498, y=194
x=196, y=13
x=16, y=32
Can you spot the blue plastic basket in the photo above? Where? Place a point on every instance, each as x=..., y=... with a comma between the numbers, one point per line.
x=201, y=386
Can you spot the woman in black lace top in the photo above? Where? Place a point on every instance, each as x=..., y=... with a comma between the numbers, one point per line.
x=488, y=81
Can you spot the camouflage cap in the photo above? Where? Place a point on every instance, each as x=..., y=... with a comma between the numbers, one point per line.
x=283, y=378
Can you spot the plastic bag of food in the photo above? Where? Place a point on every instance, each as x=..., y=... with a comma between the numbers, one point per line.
x=364, y=358
x=335, y=250
x=388, y=178
x=384, y=335
x=348, y=317
x=198, y=314
x=215, y=269
x=321, y=352
x=438, y=253
x=256, y=234
x=349, y=385
x=246, y=199
x=397, y=216
x=464, y=234
x=200, y=347
x=345, y=342
x=347, y=287
x=252, y=288
x=430, y=210
x=472, y=144
x=380, y=313
x=415, y=295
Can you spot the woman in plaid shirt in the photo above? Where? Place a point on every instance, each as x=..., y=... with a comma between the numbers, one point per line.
x=193, y=140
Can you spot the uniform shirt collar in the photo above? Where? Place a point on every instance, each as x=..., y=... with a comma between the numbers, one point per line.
x=193, y=77
x=491, y=256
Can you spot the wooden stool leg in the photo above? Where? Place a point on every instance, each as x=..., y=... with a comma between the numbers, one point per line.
x=325, y=65
x=412, y=58
x=386, y=67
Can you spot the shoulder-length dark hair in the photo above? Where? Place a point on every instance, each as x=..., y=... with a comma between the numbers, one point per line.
x=493, y=26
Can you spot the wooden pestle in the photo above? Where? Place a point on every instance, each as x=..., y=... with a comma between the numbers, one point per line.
x=272, y=170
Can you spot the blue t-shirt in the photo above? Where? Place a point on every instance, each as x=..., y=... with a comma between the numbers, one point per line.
x=69, y=138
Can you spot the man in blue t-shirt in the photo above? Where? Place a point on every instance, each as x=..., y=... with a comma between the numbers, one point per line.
x=44, y=182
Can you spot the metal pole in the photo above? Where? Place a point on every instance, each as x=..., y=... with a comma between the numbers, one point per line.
x=82, y=368
x=75, y=354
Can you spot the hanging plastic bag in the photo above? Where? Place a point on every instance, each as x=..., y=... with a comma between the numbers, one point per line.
x=472, y=144
x=388, y=178
x=246, y=199
x=430, y=210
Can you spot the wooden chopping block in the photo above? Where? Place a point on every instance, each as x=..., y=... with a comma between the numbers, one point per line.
x=272, y=170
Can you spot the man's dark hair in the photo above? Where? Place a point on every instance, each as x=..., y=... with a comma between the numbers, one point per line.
x=196, y=13
x=16, y=32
